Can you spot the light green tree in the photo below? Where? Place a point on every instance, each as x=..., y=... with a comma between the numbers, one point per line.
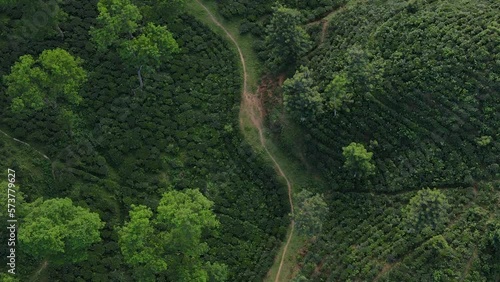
x=54, y=78
x=427, y=209
x=139, y=244
x=285, y=39
x=171, y=242
x=484, y=140
x=301, y=96
x=358, y=160
x=311, y=211
x=338, y=93
x=148, y=50
x=142, y=46
x=58, y=231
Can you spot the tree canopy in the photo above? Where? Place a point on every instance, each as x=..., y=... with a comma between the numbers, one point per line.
x=140, y=44
x=301, y=96
x=358, y=160
x=118, y=19
x=338, y=93
x=53, y=78
x=150, y=48
x=310, y=213
x=427, y=209
x=58, y=231
x=172, y=241
x=285, y=39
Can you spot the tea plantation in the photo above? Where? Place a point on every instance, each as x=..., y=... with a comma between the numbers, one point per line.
x=137, y=158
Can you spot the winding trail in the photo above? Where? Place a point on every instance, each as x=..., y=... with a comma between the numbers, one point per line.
x=22, y=142
x=37, y=273
x=469, y=264
x=252, y=106
x=324, y=28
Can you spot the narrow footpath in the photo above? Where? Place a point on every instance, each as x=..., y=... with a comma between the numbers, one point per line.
x=252, y=107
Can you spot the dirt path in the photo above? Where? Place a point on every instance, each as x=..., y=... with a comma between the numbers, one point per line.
x=387, y=267
x=323, y=31
x=243, y=63
x=469, y=264
x=252, y=106
x=37, y=273
x=22, y=142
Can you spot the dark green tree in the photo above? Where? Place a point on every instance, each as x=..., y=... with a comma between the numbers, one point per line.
x=55, y=230
x=39, y=20
x=494, y=242
x=54, y=79
x=495, y=238
x=285, y=39
x=364, y=71
x=311, y=211
x=155, y=9
x=338, y=93
x=358, y=160
x=301, y=97
x=171, y=242
x=427, y=209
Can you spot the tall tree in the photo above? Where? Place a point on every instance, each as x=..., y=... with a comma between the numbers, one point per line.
x=58, y=231
x=338, y=93
x=143, y=46
x=285, y=39
x=427, y=209
x=171, y=242
x=364, y=71
x=358, y=160
x=148, y=50
x=301, y=96
x=119, y=20
x=310, y=213
x=140, y=245
x=54, y=78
